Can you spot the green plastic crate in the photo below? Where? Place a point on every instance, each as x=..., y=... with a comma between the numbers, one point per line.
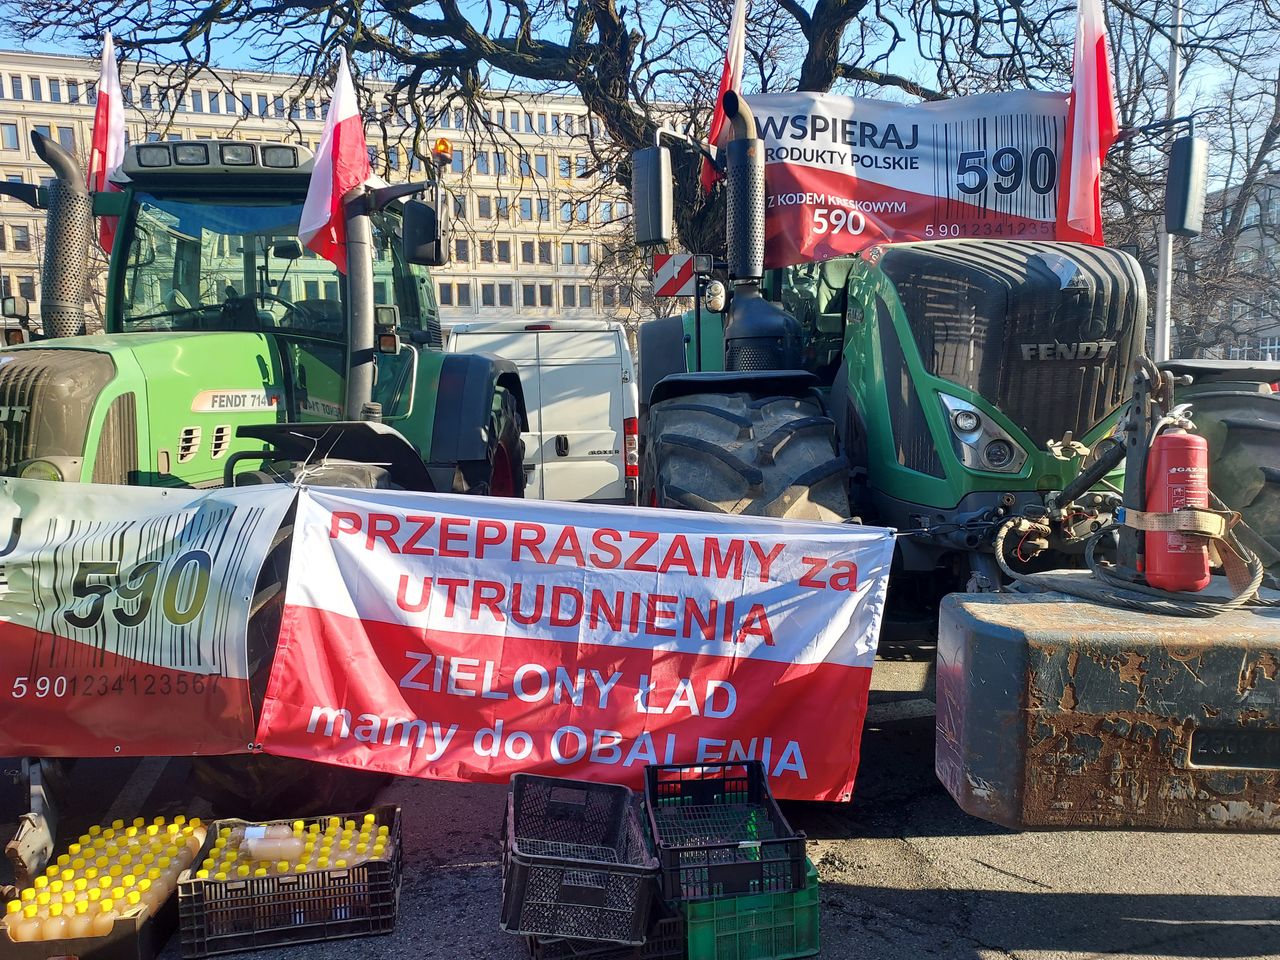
x=758, y=926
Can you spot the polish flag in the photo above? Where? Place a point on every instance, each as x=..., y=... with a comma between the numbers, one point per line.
x=341, y=164
x=730, y=79
x=106, y=151
x=1092, y=126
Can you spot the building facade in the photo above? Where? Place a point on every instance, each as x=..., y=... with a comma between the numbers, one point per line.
x=535, y=210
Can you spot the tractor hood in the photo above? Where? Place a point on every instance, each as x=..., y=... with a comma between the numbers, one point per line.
x=156, y=408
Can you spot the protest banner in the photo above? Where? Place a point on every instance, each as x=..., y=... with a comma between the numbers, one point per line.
x=845, y=173
x=124, y=614
x=470, y=638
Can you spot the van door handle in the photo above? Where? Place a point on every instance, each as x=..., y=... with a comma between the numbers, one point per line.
x=562, y=444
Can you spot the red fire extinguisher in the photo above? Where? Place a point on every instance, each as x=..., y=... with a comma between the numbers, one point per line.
x=1177, y=477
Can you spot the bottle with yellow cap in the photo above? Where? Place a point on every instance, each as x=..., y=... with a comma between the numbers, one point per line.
x=54, y=926
x=105, y=918
x=80, y=923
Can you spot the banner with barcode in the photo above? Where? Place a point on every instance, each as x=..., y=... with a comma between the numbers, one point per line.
x=124, y=616
x=845, y=173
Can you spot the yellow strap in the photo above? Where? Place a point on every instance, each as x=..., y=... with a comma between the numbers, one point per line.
x=1194, y=520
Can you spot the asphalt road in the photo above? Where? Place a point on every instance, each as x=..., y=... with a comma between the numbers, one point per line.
x=905, y=874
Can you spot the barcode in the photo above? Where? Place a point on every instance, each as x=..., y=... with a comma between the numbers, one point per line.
x=992, y=168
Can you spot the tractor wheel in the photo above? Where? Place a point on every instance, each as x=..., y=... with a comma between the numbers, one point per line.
x=501, y=473
x=259, y=787
x=741, y=454
x=1243, y=432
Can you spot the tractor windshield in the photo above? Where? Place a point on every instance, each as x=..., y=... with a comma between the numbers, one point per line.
x=196, y=265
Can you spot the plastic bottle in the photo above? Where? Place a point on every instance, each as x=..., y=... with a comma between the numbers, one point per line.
x=55, y=925
x=105, y=919
x=80, y=923
x=28, y=928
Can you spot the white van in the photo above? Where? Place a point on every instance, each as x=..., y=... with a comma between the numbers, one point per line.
x=580, y=391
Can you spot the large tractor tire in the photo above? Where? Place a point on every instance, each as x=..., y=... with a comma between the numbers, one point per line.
x=1242, y=428
x=501, y=473
x=737, y=453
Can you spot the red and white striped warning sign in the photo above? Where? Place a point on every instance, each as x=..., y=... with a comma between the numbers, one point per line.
x=673, y=275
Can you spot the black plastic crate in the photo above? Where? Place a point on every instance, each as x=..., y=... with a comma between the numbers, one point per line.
x=227, y=916
x=666, y=941
x=719, y=832
x=575, y=862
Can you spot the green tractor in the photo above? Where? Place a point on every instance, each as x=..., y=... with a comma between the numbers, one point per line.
x=976, y=396
x=231, y=355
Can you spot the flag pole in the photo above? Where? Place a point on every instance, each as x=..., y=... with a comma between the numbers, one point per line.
x=1164, y=274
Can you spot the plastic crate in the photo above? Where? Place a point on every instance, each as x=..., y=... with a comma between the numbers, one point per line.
x=575, y=861
x=719, y=832
x=665, y=942
x=765, y=926
x=226, y=916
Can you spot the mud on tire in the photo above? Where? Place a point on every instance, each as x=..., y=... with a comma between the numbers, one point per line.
x=771, y=456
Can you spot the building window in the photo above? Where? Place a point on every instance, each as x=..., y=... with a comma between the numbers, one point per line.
x=15, y=86
x=37, y=93
x=544, y=210
x=55, y=91
x=214, y=103
x=73, y=91
x=566, y=212
x=581, y=167
x=583, y=207
x=504, y=251
x=460, y=206
x=606, y=212
x=624, y=295
x=9, y=136
x=606, y=296
x=540, y=164
x=462, y=250
x=569, y=295
x=546, y=295
x=331, y=289
x=502, y=206
x=487, y=298
x=43, y=129
x=584, y=254
x=482, y=162
x=464, y=294
x=6, y=289
x=528, y=295
x=67, y=137
x=526, y=208
x=528, y=123
x=197, y=101
x=484, y=207
x=445, y=295
x=310, y=109
x=584, y=296
x=456, y=165
x=566, y=254
x=262, y=105
x=21, y=236
x=499, y=163
x=525, y=168
x=544, y=251
x=504, y=295
x=566, y=167
x=542, y=123
x=555, y=124
x=311, y=289
x=486, y=253
x=3, y=243
x=526, y=251
x=246, y=104
x=27, y=286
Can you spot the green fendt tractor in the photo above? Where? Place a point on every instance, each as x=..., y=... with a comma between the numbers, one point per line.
x=232, y=355
x=974, y=395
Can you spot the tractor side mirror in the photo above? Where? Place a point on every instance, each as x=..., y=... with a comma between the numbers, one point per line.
x=651, y=195
x=287, y=249
x=422, y=235
x=1184, y=190
x=15, y=308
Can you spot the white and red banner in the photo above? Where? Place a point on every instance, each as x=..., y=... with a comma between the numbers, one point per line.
x=467, y=639
x=106, y=151
x=341, y=164
x=123, y=617
x=846, y=173
x=673, y=275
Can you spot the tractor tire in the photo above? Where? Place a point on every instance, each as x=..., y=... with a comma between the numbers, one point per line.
x=501, y=473
x=742, y=454
x=1243, y=432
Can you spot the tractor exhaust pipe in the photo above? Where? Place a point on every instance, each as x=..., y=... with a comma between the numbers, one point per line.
x=758, y=335
x=68, y=233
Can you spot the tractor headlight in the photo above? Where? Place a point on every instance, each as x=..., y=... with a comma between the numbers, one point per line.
x=41, y=470
x=980, y=442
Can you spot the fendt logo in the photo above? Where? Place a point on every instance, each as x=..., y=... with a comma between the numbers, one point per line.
x=1084, y=350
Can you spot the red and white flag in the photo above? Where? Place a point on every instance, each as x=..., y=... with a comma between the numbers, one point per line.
x=730, y=79
x=1092, y=125
x=106, y=152
x=341, y=164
